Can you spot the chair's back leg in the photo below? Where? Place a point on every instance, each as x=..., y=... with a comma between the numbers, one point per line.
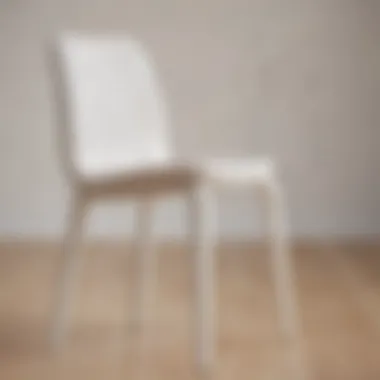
x=69, y=269
x=144, y=273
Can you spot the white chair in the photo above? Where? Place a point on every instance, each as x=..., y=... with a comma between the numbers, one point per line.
x=115, y=142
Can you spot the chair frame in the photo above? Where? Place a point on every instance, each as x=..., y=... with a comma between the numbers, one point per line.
x=199, y=195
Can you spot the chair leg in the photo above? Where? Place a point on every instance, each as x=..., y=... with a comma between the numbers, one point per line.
x=69, y=269
x=202, y=240
x=144, y=281
x=281, y=264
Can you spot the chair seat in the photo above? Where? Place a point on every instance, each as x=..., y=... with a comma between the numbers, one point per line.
x=143, y=179
x=239, y=171
x=156, y=177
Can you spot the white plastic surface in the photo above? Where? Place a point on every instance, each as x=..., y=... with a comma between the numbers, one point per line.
x=238, y=171
x=117, y=114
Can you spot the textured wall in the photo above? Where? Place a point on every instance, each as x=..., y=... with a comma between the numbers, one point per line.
x=295, y=79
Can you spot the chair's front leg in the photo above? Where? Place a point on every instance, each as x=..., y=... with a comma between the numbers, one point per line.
x=144, y=273
x=281, y=262
x=202, y=240
x=70, y=267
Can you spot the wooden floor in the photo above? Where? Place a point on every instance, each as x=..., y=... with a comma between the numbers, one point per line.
x=338, y=290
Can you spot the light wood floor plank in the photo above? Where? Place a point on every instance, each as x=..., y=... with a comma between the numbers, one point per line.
x=338, y=289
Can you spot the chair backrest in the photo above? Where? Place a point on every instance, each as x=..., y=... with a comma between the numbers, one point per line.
x=112, y=111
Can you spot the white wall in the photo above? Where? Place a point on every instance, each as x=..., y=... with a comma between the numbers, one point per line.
x=295, y=79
